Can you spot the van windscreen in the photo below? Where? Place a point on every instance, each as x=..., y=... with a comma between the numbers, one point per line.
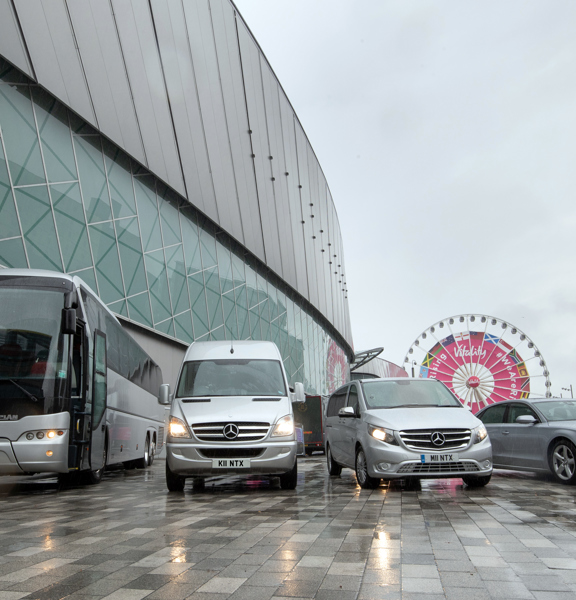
x=231, y=377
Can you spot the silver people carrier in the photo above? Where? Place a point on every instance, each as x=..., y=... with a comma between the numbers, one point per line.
x=232, y=414
x=400, y=428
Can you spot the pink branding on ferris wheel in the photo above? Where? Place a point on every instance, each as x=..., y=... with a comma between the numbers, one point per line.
x=473, y=381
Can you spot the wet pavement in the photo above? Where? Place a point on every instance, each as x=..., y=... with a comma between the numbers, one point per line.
x=128, y=539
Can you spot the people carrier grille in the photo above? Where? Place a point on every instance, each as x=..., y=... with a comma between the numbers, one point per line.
x=440, y=468
x=231, y=431
x=436, y=439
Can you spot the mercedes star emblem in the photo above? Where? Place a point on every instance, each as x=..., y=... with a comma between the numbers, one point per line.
x=230, y=431
x=437, y=438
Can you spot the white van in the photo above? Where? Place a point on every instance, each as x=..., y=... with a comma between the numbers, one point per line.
x=232, y=414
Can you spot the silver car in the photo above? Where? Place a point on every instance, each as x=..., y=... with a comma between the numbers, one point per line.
x=534, y=435
x=404, y=428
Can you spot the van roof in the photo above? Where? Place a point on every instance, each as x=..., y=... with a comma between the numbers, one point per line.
x=242, y=349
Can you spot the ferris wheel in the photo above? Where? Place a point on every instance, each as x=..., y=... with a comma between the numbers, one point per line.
x=482, y=359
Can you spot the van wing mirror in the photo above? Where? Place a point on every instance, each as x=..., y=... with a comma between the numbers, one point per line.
x=299, y=395
x=164, y=394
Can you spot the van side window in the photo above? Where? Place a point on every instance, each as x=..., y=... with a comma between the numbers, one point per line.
x=336, y=402
x=353, y=399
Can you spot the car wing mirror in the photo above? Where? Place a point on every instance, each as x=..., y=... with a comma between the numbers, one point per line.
x=347, y=411
x=526, y=420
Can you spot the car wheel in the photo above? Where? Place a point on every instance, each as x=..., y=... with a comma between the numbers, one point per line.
x=174, y=482
x=563, y=462
x=364, y=480
x=334, y=468
x=289, y=480
x=476, y=480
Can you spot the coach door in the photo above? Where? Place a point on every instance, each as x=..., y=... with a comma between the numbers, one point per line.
x=99, y=394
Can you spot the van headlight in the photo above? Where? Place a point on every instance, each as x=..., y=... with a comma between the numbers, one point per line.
x=284, y=427
x=382, y=434
x=480, y=433
x=177, y=428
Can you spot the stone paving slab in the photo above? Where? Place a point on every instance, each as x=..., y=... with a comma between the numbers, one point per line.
x=246, y=539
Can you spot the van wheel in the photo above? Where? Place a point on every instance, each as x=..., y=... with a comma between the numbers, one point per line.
x=364, y=480
x=142, y=463
x=198, y=484
x=476, y=480
x=174, y=482
x=289, y=480
x=334, y=468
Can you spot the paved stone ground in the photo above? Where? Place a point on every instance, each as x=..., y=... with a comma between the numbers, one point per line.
x=128, y=539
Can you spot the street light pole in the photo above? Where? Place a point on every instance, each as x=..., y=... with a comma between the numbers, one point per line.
x=568, y=390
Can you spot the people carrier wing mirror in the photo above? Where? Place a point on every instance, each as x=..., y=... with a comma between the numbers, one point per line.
x=347, y=411
x=164, y=394
x=526, y=420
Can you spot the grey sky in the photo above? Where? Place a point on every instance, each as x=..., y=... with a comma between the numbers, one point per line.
x=447, y=132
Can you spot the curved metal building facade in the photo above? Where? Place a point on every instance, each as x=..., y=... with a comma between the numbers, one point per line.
x=147, y=146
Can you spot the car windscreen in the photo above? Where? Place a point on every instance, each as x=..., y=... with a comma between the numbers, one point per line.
x=563, y=410
x=231, y=377
x=407, y=393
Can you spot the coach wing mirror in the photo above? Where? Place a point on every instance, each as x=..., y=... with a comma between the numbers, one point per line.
x=526, y=420
x=164, y=394
x=68, y=320
x=347, y=411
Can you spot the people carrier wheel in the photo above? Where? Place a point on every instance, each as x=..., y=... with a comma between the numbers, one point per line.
x=563, y=462
x=364, y=480
x=476, y=480
x=334, y=468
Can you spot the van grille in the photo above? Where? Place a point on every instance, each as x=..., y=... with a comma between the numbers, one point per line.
x=446, y=439
x=440, y=468
x=222, y=432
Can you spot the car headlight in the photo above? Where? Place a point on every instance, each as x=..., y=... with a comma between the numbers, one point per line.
x=382, y=434
x=284, y=427
x=177, y=428
x=480, y=434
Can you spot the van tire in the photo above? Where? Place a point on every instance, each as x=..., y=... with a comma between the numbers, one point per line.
x=364, y=480
x=334, y=469
x=289, y=480
x=174, y=482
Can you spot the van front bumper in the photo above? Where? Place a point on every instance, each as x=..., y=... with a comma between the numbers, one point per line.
x=200, y=460
x=387, y=461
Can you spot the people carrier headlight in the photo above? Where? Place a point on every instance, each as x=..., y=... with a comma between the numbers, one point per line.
x=479, y=434
x=284, y=427
x=177, y=428
x=382, y=434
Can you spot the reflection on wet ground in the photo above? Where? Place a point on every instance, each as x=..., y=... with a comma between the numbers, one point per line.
x=245, y=538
